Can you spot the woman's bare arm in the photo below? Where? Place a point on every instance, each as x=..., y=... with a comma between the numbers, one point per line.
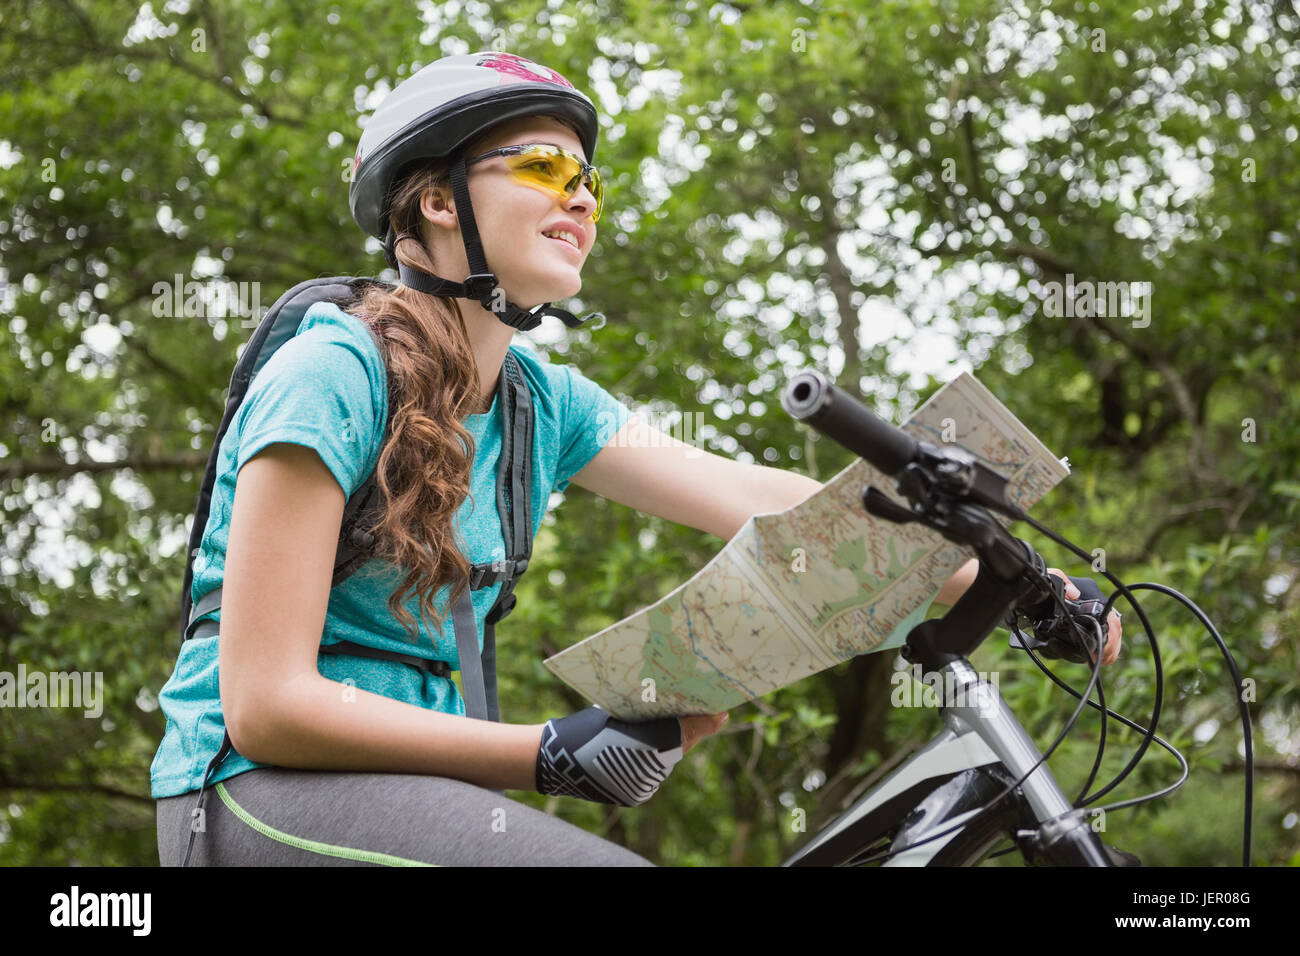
x=277, y=706
x=655, y=473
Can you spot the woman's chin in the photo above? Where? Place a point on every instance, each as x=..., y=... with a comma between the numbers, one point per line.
x=556, y=289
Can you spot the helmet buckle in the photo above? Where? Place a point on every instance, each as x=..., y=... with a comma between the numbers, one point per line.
x=481, y=286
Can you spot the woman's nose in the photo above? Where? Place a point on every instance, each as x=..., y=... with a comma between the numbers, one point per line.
x=582, y=200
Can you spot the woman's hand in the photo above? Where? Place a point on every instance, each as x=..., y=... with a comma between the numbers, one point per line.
x=695, y=729
x=1114, y=629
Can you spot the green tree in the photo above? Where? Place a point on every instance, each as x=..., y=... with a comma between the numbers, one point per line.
x=884, y=190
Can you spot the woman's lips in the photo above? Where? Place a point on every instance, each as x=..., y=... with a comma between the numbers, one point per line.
x=564, y=242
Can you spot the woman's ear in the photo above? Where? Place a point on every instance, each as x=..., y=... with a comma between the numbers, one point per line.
x=438, y=207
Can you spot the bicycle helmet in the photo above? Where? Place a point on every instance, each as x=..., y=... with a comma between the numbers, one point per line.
x=433, y=114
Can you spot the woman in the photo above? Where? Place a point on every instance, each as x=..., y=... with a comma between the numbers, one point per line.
x=478, y=166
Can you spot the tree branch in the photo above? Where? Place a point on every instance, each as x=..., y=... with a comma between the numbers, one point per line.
x=218, y=50
x=62, y=469
x=1267, y=766
x=841, y=281
x=1175, y=517
x=7, y=784
x=1177, y=385
x=232, y=88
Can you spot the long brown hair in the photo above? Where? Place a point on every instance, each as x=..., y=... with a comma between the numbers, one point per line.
x=423, y=473
x=433, y=384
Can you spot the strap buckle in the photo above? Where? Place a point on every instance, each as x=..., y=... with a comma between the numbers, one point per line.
x=480, y=286
x=502, y=569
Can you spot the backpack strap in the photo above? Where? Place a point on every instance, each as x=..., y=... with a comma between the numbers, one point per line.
x=514, y=508
x=356, y=543
x=276, y=327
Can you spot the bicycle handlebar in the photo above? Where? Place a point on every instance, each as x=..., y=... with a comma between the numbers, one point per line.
x=811, y=397
x=1011, y=574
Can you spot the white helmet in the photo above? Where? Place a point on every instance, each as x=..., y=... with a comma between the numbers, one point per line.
x=431, y=115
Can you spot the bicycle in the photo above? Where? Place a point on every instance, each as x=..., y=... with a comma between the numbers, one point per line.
x=982, y=779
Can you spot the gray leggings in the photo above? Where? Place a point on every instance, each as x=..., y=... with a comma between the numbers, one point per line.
x=272, y=816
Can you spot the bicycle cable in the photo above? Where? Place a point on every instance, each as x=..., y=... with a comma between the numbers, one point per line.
x=1183, y=764
x=1101, y=736
x=1083, y=699
x=1155, y=649
x=992, y=804
x=1205, y=621
x=1080, y=802
x=1149, y=734
x=1247, y=828
x=1245, y=719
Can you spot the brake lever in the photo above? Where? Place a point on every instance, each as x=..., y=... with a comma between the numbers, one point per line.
x=1055, y=635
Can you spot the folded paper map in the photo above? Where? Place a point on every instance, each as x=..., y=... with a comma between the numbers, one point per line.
x=796, y=592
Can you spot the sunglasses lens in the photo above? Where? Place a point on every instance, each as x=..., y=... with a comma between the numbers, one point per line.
x=555, y=172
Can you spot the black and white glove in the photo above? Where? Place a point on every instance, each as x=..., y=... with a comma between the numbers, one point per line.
x=600, y=758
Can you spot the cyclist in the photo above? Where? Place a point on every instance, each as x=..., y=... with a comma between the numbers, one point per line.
x=346, y=758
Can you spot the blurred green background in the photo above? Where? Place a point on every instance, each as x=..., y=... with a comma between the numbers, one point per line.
x=877, y=189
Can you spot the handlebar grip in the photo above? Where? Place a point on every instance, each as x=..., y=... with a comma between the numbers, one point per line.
x=813, y=398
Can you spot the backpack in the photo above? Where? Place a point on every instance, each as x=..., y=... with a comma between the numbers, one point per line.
x=355, y=543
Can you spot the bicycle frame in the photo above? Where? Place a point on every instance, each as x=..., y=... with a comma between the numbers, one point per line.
x=981, y=751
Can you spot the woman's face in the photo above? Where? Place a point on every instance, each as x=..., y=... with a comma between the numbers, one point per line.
x=512, y=218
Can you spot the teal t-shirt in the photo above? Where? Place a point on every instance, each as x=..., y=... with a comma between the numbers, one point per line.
x=326, y=388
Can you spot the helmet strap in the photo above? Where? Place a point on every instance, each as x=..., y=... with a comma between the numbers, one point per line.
x=481, y=284
x=468, y=225
x=390, y=247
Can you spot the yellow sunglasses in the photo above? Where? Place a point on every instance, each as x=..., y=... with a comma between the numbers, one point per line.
x=550, y=169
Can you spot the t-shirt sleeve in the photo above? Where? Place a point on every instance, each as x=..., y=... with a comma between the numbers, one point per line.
x=590, y=419
x=314, y=391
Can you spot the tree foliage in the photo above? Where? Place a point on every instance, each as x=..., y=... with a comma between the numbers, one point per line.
x=885, y=190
